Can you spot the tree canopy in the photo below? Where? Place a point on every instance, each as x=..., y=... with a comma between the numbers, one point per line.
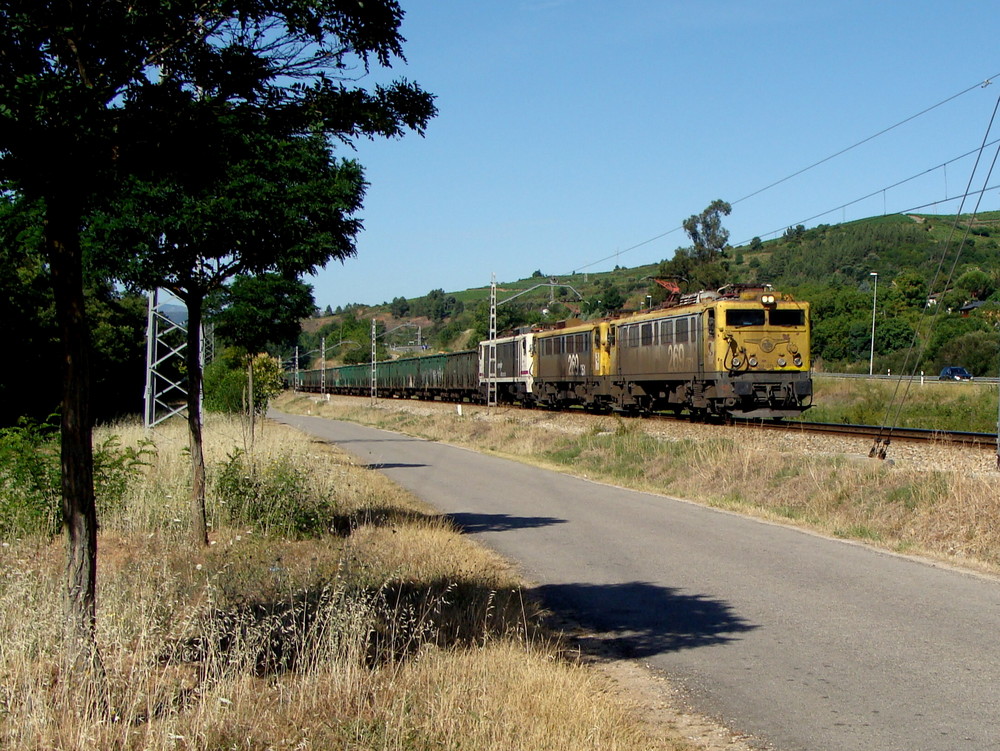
x=97, y=95
x=708, y=237
x=261, y=310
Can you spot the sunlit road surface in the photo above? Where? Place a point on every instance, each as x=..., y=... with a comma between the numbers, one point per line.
x=800, y=641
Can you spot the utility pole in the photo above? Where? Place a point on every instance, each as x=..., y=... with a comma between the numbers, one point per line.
x=491, y=377
x=322, y=372
x=374, y=389
x=871, y=359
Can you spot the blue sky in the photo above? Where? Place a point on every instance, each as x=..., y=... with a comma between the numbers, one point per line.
x=571, y=131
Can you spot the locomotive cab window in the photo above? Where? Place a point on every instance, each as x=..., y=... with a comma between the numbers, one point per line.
x=632, y=336
x=681, y=331
x=745, y=317
x=788, y=317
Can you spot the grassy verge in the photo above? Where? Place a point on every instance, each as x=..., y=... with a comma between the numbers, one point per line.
x=945, y=405
x=950, y=515
x=332, y=611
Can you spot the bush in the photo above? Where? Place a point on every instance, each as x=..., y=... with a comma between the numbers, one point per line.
x=273, y=497
x=30, y=486
x=225, y=388
x=115, y=469
x=29, y=480
x=226, y=384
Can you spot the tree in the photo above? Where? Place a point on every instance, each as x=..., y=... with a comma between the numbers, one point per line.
x=193, y=232
x=707, y=234
x=257, y=311
x=96, y=90
x=975, y=350
x=912, y=289
x=27, y=310
x=509, y=317
x=979, y=284
x=226, y=383
x=261, y=310
x=611, y=298
x=399, y=307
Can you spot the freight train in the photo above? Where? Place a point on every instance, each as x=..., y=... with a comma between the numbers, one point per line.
x=739, y=351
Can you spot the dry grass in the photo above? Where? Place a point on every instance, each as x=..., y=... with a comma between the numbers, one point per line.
x=386, y=631
x=947, y=514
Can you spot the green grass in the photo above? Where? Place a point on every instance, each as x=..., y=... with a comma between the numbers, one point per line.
x=933, y=404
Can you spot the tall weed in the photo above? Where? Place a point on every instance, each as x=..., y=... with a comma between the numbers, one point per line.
x=273, y=497
x=30, y=485
x=29, y=480
x=116, y=469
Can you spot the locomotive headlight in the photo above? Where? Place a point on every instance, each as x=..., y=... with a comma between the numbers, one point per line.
x=797, y=360
x=736, y=362
x=753, y=362
x=793, y=349
x=781, y=362
x=767, y=299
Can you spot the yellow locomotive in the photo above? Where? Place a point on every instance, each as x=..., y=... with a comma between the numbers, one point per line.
x=741, y=351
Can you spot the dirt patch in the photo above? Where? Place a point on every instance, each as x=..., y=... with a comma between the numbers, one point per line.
x=665, y=713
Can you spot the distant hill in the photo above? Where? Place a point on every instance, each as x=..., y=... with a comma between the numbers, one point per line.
x=887, y=245
x=832, y=266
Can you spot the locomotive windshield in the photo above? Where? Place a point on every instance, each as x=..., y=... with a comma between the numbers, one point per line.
x=775, y=317
x=788, y=317
x=744, y=316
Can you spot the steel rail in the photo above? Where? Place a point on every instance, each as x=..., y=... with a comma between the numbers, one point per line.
x=963, y=437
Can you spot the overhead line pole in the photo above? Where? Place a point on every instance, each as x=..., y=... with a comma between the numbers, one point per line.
x=374, y=389
x=491, y=377
x=491, y=370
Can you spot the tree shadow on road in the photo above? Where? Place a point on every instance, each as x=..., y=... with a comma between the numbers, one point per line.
x=639, y=619
x=473, y=523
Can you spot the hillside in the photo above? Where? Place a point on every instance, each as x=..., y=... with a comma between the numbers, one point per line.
x=832, y=266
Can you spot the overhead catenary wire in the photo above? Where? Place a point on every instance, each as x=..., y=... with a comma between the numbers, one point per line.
x=884, y=436
x=979, y=84
x=896, y=184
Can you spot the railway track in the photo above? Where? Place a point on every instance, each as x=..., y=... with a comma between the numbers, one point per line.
x=959, y=437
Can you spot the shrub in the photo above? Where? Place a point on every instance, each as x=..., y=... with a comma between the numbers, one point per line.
x=226, y=384
x=225, y=388
x=274, y=497
x=30, y=487
x=116, y=468
x=29, y=480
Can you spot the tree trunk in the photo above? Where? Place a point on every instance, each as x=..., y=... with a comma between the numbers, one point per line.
x=62, y=245
x=199, y=519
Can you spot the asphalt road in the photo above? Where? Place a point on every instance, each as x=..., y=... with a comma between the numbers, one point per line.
x=804, y=642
